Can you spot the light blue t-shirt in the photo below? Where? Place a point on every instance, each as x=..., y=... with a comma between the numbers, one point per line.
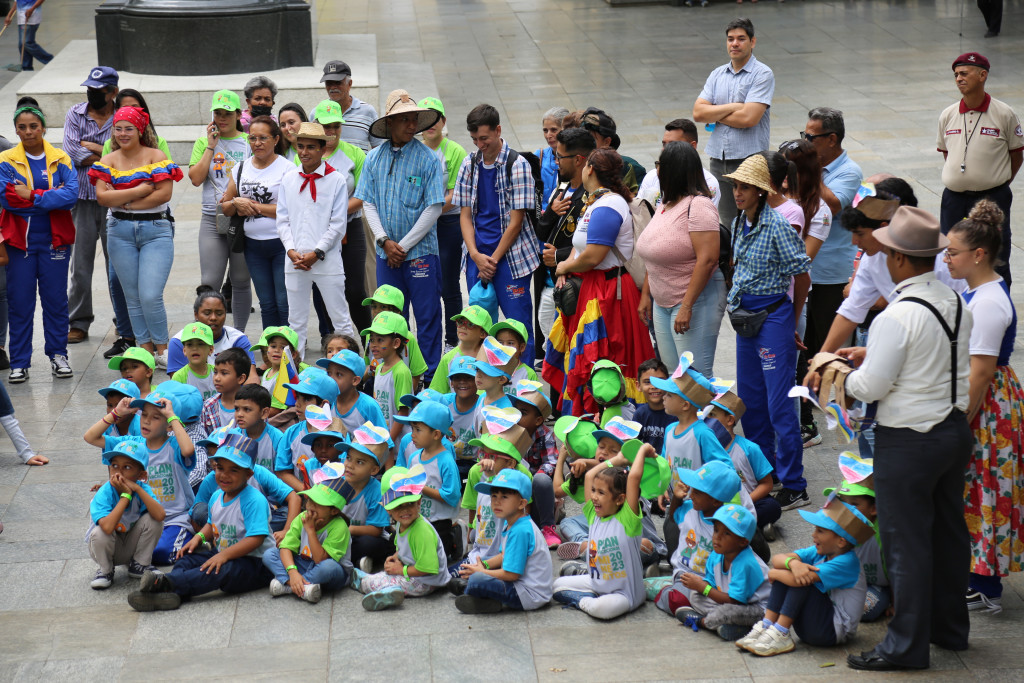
x=526, y=554
x=266, y=446
x=291, y=452
x=133, y=428
x=463, y=429
x=843, y=581
x=245, y=515
x=262, y=479
x=443, y=475
x=366, y=509
x=693, y=448
x=746, y=581
x=107, y=497
x=749, y=462
x=167, y=476
x=406, y=448
x=365, y=410
x=834, y=263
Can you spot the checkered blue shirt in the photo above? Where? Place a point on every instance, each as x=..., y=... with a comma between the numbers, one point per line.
x=524, y=256
x=766, y=257
x=402, y=183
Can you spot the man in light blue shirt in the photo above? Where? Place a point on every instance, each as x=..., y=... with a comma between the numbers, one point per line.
x=402, y=187
x=734, y=106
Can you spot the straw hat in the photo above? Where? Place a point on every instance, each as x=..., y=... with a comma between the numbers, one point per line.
x=912, y=231
x=400, y=102
x=312, y=131
x=754, y=171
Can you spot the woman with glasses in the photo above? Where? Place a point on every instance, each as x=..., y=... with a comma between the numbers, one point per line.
x=255, y=198
x=995, y=474
x=684, y=290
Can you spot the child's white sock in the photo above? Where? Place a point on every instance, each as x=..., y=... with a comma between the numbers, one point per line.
x=13, y=429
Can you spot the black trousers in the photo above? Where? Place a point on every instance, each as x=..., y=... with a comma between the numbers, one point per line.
x=919, y=489
x=956, y=206
x=992, y=10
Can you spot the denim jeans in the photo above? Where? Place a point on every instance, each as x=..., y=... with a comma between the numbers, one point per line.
x=702, y=338
x=265, y=259
x=418, y=279
x=515, y=295
x=329, y=574
x=449, y=246
x=240, y=575
x=484, y=586
x=142, y=253
x=32, y=48
x=575, y=528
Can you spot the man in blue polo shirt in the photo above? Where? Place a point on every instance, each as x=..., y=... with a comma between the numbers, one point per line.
x=734, y=106
x=402, y=187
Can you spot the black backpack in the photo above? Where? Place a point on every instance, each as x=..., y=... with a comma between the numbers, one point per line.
x=538, y=184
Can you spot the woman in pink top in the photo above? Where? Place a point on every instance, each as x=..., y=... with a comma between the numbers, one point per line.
x=684, y=290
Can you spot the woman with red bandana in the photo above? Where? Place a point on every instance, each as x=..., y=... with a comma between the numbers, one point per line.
x=134, y=180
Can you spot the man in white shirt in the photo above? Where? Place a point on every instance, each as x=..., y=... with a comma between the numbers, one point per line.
x=676, y=130
x=917, y=367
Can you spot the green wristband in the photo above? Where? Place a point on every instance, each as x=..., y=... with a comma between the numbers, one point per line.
x=786, y=563
x=127, y=495
x=201, y=536
x=291, y=567
x=172, y=418
x=707, y=589
x=405, y=571
x=484, y=563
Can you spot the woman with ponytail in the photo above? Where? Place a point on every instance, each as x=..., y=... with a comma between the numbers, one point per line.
x=993, y=500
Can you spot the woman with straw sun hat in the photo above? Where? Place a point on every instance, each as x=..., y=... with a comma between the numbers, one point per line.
x=768, y=255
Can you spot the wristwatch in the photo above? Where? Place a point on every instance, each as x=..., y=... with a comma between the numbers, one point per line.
x=382, y=240
x=320, y=254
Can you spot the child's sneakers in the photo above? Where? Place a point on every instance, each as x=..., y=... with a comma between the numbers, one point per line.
x=551, y=537
x=366, y=564
x=752, y=637
x=277, y=589
x=152, y=602
x=574, y=568
x=976, y=601
x=153, y=581
x=772, y=642
x=731, y=632
x=570, y=550
x=102, y=580
x=385, y=598
x=136, y=570
x=311, y=593
x=571, y=598
x=688, y=617
x=470, y=604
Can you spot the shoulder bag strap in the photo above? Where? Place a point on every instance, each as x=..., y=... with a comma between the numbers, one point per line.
x=951, y=334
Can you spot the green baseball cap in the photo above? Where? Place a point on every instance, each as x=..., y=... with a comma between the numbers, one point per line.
x=387, y=295
x=475, y=315
x=277, y=331
x=328, y=111
x=848, y=489
x=578, y=434
x=510, y=324
x=388, y=322
x=227, y=100
x=657, y=470
x=432, y=103
x=399, y=495
x=495, y=442
x=199, y=331
x=332, y=493
x=607, y=383
x=134, y=353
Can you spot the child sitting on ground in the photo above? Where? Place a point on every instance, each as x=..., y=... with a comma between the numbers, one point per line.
x=541, y=456
x=367, y=448
x=518, y=574
x=236, y=530
x=252, y=407
x=352, y=406
x=615, y=584
x=418, y=566
x=171, y=460
x=273, y=342
x=513, y=333
x=197, y=340
x=315, y=553
x=188, y=405
x=732, y=594
x=127, y=520
x=403, y=454
x=136, y=364
x=314, y=388
x=387, y=336
x=462, y=407
x=878, y=596
x=127, y=424
x=230, y=372
x=817, y=591
x=391, y=299
x=578, y=452
x=472, y=326
x=651, y=415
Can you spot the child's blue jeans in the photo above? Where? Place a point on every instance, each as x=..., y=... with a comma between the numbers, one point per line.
x=329, y=573
x=484, y=586
x=240, y=575
x=809, y=608
x=575, y=528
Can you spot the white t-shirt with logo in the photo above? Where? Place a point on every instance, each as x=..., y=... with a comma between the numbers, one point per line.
x=261, y=186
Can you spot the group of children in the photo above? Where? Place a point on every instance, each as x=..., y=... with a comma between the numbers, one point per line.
x=367, y=491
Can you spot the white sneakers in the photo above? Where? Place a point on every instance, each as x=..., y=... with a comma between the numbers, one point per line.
x=310, y=592
x=766, y=641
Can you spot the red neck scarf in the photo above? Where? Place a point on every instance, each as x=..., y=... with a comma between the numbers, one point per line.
x=310, y=179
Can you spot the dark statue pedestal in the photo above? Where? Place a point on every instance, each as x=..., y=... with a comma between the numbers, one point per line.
x=204, y=37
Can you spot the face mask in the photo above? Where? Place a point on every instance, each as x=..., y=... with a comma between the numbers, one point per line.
x=260, y=110
x=97, y=98
x=724, y=437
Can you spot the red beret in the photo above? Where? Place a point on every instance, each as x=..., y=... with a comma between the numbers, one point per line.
x=972, y=59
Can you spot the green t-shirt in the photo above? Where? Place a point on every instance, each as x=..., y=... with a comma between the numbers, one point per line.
x=453, y=154
x=422, y=543
x=389, y=386
x=226, y=155
x=161, y=145
x=334, y=537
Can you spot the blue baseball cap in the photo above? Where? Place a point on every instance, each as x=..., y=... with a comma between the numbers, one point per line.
x=715, y=478
x=217, y=436
x=347, y=359
x=462, y=365
x=425, y=395
x=101, y=77
x=511, y=479
x=490, y=370
x=431, y=413
x=121, y=386
x=316, y=382
x=161, y=392
x=843, y=519
x=308, y=439
x=136, y=450
x=187, y=400
x=238, y=449
x=737, y=519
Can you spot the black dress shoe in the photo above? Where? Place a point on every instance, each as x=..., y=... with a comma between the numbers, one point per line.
x=872, y=661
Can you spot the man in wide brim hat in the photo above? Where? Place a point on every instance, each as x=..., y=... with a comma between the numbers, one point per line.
x=400, y=102
x=912, y=231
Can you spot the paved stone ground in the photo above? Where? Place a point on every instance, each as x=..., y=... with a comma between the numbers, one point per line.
x=885, y=64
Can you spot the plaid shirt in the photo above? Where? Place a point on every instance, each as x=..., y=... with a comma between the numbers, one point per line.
x=543, y=453
x=196, y=432
x=209, y=418
x=79, y=126
x=766, y=257
x=524, y=255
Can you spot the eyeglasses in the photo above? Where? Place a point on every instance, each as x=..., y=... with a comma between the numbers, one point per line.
x=950, y=254
x=811, y=138
x=566, y=156
x=462, y=322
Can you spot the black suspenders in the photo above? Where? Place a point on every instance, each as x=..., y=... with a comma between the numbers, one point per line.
x=950, y=334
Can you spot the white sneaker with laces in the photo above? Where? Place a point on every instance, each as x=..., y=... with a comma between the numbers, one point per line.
x=60, y=367
x=311, y=593
x=160, y=359
x=772, y=642
x=277, y=589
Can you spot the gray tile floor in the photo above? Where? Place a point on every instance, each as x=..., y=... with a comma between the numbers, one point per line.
x=885, y=64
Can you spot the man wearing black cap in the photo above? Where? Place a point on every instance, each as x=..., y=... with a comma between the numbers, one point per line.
x=983, y=145
x=337, y=79
x=603, y=128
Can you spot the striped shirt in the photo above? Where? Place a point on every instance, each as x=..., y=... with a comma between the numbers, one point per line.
x=401, y=183
x=356, y=129
x=523, y=256
x=78, y=127
x=767, y=256
x=755, y=82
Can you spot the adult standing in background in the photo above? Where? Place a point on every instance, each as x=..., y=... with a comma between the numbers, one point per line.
x=992, y=10
x=29, y=17
x=359, y=115
x=260, y=92
x=403, y=188
x=735, y=103
x=550, y=124
x=983, y=145
x=86, y=128
x=676, y=130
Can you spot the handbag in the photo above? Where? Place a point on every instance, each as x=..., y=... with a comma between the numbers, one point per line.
x=236, y=223
x=748, y=323
x=567, y=296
